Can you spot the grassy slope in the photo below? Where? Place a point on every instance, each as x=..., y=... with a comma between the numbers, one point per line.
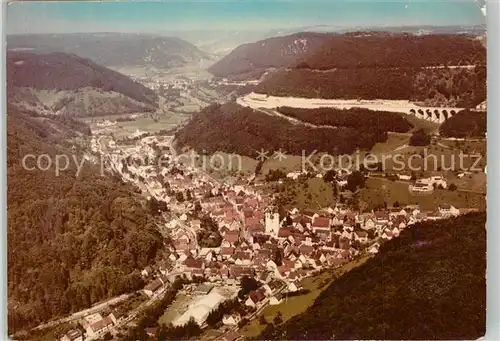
x=378, y=191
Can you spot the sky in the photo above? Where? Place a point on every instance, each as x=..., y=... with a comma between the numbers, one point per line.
x=169, y=15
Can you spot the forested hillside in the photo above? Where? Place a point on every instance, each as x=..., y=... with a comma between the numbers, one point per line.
x=446, y=70
x=386, y=50
x=362, y=83
x=364, y=120
x=427, y=284
x=71, y=85
x=72, y=241
x=235, y=129
x=463, y=88
x=254, y=59
x=465, y=123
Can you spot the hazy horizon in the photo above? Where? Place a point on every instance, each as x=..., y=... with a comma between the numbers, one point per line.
x=174, y=16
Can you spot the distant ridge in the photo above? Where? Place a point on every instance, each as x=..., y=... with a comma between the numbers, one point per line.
x=64, y=83
x=114, y=49
x=255, y=58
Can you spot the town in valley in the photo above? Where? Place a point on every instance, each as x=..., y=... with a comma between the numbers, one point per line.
x=212, y=201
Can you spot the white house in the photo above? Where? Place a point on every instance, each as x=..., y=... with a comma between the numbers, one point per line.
x=434, y=181
x=275, y=300
x=421, y=188
x=294, y=286
x=369, y=224
x=404, y=177
x=448, y=210
x=231, y=320
x=374, y=248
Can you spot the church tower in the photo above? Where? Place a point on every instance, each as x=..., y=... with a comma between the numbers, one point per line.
x=272, y=221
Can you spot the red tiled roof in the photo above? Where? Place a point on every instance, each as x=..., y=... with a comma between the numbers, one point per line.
x=257, y=228
x=101, y=324
x=381, y=215
x=193, y=263
x=284, y=232
x=253, y=202
x=259, y=214
x=247, y=213
x=227, y=251
x=321, y=222
x=232, y=236
x=243, y=255
x=306, y=249
x=288, y=263
x=251, y=221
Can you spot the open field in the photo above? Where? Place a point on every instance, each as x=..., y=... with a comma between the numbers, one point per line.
x=437, y=157
x=298, y=304
x=393, y=142
x=378, y=191
x=316, y=194
x=290, y=164
x=144, y=124
x=220, y=164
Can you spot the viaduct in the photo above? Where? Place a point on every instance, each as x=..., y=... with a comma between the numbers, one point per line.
x=431, y=114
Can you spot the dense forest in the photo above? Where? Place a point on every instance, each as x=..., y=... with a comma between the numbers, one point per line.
x=327, y=51
x=235, y=129
x=72, y=240
x=388, y=66
x=427, y=284
x=362, y=83
x=463, y=88
x=465, y=123
x=385, y=50
x=364, y=120
x=434, y=87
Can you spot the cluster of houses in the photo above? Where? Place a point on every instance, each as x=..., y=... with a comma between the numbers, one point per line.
x=256, y=240
x=259, y=242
